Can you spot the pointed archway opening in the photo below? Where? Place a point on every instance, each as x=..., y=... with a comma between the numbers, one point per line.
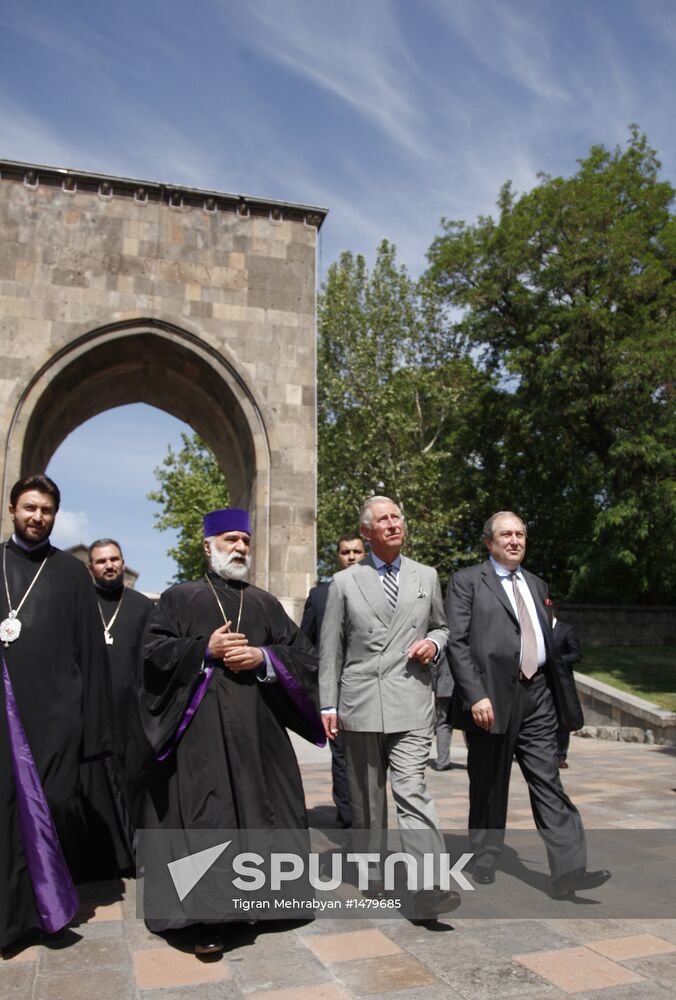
x=167, y=368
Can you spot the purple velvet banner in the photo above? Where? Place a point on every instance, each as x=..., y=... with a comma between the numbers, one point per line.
x=56, y=898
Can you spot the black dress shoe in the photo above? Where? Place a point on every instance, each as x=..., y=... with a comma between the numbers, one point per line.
x=439, y=767
x=567, y=885
x=484, y=876
x=209, y=943
x=429, y=903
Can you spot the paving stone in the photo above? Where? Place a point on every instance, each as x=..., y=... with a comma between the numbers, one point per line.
x=376, y=976
x=637, y=946
x=202, y=991
x=644, y=990
x=65, y=954
x=520, y=936
x=487, y=980
x=113, y=984
x=661, y=968
x=575, y=970
x=319, y=991
x=16, y=980
x=168, y=967
x=290, y=969
x=352, y=945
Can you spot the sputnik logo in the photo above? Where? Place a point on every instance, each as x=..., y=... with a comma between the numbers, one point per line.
x=186, y=872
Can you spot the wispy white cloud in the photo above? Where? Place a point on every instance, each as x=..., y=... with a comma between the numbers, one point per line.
x=353, y=51
x=70, y=528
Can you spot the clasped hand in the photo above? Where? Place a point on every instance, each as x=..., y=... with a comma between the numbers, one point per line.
x=234, y=650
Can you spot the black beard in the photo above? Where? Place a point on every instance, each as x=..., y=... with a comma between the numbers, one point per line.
x=30, y=542
x=107, y=585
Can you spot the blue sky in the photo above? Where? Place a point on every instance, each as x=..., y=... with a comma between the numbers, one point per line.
x=390, y=113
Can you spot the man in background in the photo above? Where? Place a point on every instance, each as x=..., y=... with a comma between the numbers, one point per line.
x=349, y=550
x=123, y=613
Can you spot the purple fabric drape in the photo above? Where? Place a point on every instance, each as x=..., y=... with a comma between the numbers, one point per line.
x=193, y=705
x=292, y=687
x=56, y=898
x=299, y=698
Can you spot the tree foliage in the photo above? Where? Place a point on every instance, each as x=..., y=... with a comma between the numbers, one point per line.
x=395, y=390
x=568, y=300
x=530, y=369
x=190, y=484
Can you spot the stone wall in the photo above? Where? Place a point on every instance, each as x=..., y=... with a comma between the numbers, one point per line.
x=115, y=291
x=610, y=625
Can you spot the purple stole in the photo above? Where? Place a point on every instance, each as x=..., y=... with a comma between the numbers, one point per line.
x=56, y=899
x=291, y=686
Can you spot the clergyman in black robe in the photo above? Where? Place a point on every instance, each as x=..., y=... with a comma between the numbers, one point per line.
x=233, y=765
x=55, y=690
x=124, y=613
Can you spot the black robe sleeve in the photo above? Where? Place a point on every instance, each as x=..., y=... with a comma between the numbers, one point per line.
x=173, y=658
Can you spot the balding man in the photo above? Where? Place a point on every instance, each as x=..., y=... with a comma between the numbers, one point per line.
x=512, y=693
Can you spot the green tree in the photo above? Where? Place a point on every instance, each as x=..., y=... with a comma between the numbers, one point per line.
x=568, y=299
x=396, y=393
x=190, y=484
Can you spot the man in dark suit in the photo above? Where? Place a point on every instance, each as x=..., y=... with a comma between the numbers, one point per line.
x=570, y=651
x=512, y=693
x=349, y=550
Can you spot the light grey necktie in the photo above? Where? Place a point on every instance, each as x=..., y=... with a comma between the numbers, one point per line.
x=529, y=652
x=390, y=584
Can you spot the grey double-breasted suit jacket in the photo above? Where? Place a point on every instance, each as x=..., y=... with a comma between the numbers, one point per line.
x=364, y=668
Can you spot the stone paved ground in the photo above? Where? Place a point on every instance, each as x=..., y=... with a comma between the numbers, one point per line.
x=109, y=955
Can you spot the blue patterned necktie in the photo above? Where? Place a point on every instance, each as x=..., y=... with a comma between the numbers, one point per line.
x=391, y=586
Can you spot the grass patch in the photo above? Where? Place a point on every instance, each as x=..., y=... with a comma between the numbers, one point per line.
x=645, y=671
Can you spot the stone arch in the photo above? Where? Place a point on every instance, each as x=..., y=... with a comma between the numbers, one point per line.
x=159, y=363
x=202, y=302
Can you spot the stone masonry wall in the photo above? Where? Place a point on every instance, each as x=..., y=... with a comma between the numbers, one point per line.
x=233, y=277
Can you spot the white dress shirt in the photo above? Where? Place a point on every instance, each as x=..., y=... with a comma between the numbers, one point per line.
x=505, y=576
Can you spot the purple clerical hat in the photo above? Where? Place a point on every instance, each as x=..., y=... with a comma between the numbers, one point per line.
x=226, y=519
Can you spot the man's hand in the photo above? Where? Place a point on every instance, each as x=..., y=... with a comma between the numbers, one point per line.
x=239, y=655
x=218, y=641
x=330, y=720
x=482, y=713
x=424, y=650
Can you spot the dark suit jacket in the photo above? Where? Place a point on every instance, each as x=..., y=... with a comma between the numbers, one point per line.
x=313, y=613
x=484, y=646
x=567, y=643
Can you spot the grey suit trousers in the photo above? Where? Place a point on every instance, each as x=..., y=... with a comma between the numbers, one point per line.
x=369, y=756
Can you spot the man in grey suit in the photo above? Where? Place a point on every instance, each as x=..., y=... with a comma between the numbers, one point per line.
x=383, y=626
x=512, y=693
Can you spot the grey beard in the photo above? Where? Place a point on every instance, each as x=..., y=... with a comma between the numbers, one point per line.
x=226, y=567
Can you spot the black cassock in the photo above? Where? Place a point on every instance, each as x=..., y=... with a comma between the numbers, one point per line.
x=234, y=766
x=125, y=653
x=114, y=789
x=59, y=675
